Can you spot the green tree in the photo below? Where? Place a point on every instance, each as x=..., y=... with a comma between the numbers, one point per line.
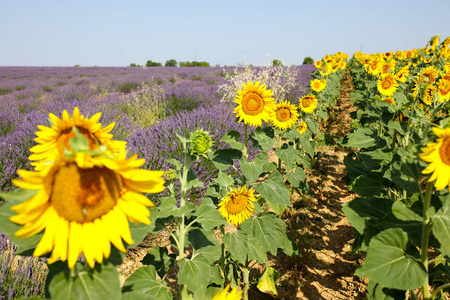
x=171, y=63
x=308, y=60
x=153, y=64
x=276, y=62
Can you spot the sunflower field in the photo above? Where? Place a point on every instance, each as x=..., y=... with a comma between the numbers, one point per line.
x=215, y=177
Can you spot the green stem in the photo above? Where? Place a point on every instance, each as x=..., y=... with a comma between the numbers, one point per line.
x=182, y=230
x=222, y=258
x=279, y=159
x=433, y=113
x=73, y=272
x=394, y=139
x=246, y=272
x=436, y=291
x=425, y=237
x=244, y=180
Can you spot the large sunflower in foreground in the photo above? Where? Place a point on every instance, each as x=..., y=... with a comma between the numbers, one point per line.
x=53, y=140
x=255, y=104
x=237, y=206
x=387, y=85
x=285, y=115
x=438, y=155
x=83, y=203
x=308, y=103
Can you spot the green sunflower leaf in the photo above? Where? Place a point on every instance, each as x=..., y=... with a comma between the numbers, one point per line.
x=441, y=224
x=263, y=228
x=210, y=217
x=237, y=245
x=160, y=259
x=274, y=190
x=144, y=281
x=232, y=138
x=194, y=272
x=392, y=263
x=263, y=138
x=252, y=170
x=288, y=156
x=102, y=282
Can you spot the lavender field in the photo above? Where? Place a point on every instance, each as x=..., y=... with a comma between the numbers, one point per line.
x=148, y=106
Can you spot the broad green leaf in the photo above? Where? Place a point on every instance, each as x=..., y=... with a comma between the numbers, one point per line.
x=102, y=282
x=205, y=244
x=274, y=190
x=237, y=244
x=298, y=178
x=176, y=163
x=160, y=259
x=209, y=217
x=288, y=156
x=232, y=138
x=376, y=292
x=263, y=228
x=403, y=174
x=389, y=264
x=224, y=158
x=367, y=185
x=252, y=170
x=404, y=213
x=359, y=210
x=194, y=184
x=144, y=280
x=224, y=180
x=25, y=246
x=18, y=195
x=283, y=241
x=361, y=138
x=256, y=251
x=194, y=272
x=441, y=224
x=138, y=233
x=263, y=138
x=168, y=208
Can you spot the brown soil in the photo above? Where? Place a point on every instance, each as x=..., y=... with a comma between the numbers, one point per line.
x=325, y=267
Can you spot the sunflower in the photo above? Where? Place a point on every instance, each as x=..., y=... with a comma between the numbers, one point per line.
x=53, y=140
x=387, y=85
x=301, y=128
x=318, y=64
x=402, y=74
x=428, y=94
x=237, y=206
x=389, y=100
x=84, y=203
x=326, y=70
x=430, y=74
x=308, y=103
x=438, y=155
x=318, y=85
x=224, y=295
x=374, y=67
x=443, y=89
x=285, y=115
x=254, y=104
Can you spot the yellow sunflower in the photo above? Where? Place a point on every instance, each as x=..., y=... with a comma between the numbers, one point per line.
x=53, y=140
x=318, y=64
x=374, y=67
x=438, y=155
x=301, y=128
x=224, y=295
x=389, y=100
x=308, y=103
x=318, y=85
x=285, y=115
x=402, y=74
x=430, y=74
x=428, y=94
x=83, y=203
x=237, y=206
x=326, y=70
x=443, y=89
x=387, y=85
x=255, y=104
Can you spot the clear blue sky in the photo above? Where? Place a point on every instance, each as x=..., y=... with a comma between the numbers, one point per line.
x=117, y=33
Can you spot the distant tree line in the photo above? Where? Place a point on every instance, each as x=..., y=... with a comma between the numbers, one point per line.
x=174, y=63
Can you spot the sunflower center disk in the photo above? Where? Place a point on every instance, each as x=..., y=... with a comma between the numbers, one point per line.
x=444, y=151
x=82, y=195
x=252, y=104
x=386, y=84
x=237, y=204
x=283, y=114
x=307, y=101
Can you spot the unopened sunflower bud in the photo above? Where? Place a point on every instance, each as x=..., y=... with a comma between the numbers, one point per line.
x=200, y=143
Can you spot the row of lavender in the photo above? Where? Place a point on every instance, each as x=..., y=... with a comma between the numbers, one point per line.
x=188, y=97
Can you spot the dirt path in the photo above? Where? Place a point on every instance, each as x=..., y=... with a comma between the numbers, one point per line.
x=318, y=225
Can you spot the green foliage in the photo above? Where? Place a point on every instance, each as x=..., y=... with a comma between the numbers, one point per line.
x=308, y=60
x=276, y=63
x=128, y=87
x=194, y=64
x=171, y=63
x=150, y=63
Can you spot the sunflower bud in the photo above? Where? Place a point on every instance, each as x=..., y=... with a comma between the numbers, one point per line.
x=200, y=143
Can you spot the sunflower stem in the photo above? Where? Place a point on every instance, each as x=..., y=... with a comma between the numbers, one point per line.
x=244, y=150
x=439, y=289
x=182, y=229
x=222, y=257
x=279, y=147
x=246, y=272
x=425, y=237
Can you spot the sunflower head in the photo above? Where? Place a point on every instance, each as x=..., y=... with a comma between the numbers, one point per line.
x=234, y=294
x=53, y=141
x=285, y=115
x=437, y=153
x=387, y=85
x=200, y=143
x=255, y=104
x=237, y=206
x=308, y=103
x=301, y=128
x=84, y=202
x=318, y=85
